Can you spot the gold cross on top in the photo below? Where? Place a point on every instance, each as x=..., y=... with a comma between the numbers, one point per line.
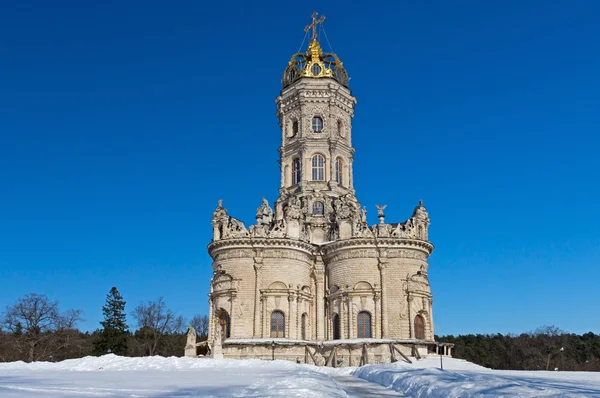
x=314, y=24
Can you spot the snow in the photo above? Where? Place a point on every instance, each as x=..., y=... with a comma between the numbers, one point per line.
x=114, y=376
x=424, y=378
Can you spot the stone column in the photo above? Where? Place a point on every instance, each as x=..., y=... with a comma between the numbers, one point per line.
x=349, y=303
x=376, y=317
x=257, y=266
x=411, y=321
x=289, y=324
x=211, y=328
x=384, y=323
x=320, y=294
x=431, y=333
x=265, y=329
x=232, y=315
x=342, y=316
x=299, y=317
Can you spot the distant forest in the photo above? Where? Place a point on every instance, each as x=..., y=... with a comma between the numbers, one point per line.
x=546, y=348
x=35, y=329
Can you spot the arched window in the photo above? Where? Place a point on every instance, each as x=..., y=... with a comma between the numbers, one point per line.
x=419, y=327
x=296, y=171
x=225, y=323
x=277, y=324
x=303, y=326
x=339, y=171
x=363, y=323
x=317, y=124
x=336, y=326
x=294, y=128
x=318, y=168
x=318, y=209
x=315, y=69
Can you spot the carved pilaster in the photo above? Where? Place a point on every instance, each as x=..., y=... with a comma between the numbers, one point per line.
x=411, y=321
x=376, y=316
x=383, y=280
x=211, y=328
x=320, y=294
x=257, y=266
x=265, y=328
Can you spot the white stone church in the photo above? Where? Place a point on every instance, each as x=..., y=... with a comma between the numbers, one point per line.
x=310, y=280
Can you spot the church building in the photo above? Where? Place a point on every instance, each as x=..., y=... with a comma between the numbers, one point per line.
x=310, y=280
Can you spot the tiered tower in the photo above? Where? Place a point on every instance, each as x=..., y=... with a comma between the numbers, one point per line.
x=312, y=269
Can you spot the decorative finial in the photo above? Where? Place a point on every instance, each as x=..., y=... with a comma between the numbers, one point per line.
x=220, y=203
x=314, y=24
x=380, y=213
x=420, y=202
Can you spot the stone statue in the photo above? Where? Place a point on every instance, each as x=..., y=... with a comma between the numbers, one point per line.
x=380, y=213
x=191, y=336
x=363, y=214
x=264, y=214
x=219, y=211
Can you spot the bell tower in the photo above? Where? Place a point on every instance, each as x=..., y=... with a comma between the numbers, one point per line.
x=315, y=110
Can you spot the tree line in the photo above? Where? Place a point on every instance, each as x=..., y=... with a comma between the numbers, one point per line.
x=546, y=348
x=35, y=329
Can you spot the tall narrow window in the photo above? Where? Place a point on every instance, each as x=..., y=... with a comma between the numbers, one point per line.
x=318, y=168
x=296, y=171
x=339, y=171
x=294, y=128
x=336, y=326
x=277, y=324
x=340, y=128
x=363, y=323
x=317, y=124
x=225, y=324
x=318, y=209
x=303, y=326
x=419, y=327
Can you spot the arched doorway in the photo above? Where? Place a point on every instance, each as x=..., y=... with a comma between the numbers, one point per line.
x=336, y=326
x=303, y=326
x=419, y=327
x=225, y=323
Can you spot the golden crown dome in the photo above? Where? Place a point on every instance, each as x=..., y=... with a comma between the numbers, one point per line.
x=314, y=63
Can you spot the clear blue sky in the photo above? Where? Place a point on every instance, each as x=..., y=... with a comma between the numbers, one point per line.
x=123, y=123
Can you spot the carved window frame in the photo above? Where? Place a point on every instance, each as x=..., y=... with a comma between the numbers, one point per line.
x=317, y=124
x=339, y=171
x=296, y=171
x=277, y=324
x=318, y=208
x=318, y=167
x=364, y=325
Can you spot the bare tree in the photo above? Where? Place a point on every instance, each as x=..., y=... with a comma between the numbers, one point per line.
x=200, y=323
x=36, y=323
x=155, y=320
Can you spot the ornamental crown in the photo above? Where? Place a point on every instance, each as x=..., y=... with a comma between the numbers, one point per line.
x=314, y=63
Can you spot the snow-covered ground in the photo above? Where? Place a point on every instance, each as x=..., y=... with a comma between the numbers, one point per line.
x=464, y=379
x=113, y=376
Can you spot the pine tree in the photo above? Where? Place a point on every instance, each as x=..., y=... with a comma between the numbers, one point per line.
x=113, y=336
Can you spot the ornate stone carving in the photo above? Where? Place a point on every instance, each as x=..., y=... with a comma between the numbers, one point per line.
x=354, y=253
x=264, y=214
x=234, y=253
